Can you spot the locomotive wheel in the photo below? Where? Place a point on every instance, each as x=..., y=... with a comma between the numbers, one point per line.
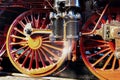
x=97, y=53
x=33, y=54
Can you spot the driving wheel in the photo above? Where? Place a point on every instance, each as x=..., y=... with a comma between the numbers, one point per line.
x=29, y=46
x=99, y=49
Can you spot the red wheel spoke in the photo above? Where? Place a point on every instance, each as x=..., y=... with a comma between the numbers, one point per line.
x=31, y=59
x=26, y=19
x=18, y=37
x=26, y=58
x=43, y=22
x=103, y=21
x=22, y=54
x=94, y=22
x=101, y=58
x=95, y=46
x=99, y=52
x=100, y=41
x=32, y=18
x=16, y=29
x=19, y=43
x=37, y=59
x=118, y=17
x=53, y=47
x=41, y=58
x=47, y=58
x=50, y=52
x=36, y=21
x=22, y=24
x=56, y=42
x=45, y=38
x=109, y=18
x=14, y=51
x=108, y=60
x=113, y=64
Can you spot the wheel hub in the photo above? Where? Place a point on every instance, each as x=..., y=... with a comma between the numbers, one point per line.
x=35, y=43
x=111, y=31
x=28, y=29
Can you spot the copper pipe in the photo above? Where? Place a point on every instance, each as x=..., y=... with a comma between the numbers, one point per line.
x=88, y=33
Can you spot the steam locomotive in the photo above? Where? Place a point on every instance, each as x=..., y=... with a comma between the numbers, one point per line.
x=39, y=35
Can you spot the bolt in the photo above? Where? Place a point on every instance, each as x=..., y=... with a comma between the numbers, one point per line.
x=28, y=31
x=118, y=33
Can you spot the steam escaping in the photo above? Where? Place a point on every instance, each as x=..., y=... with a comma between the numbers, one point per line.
x=67, y=48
